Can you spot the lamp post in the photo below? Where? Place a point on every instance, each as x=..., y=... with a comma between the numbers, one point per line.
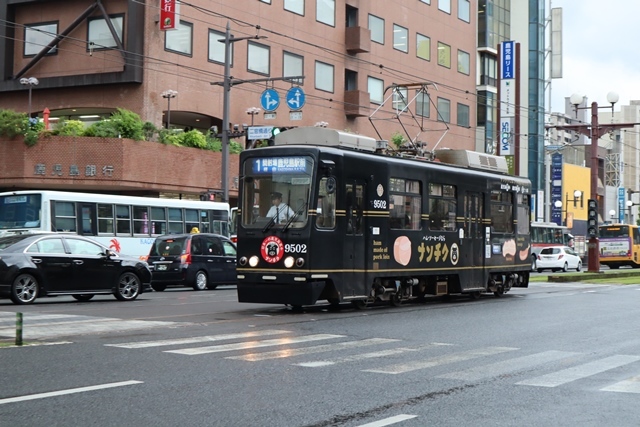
x=168, y=94
x=577, y=196
x=31, y=82
x=612, y=214
x=631, y=204
x=252, y=111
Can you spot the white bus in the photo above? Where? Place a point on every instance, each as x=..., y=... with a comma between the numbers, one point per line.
x=126, y=224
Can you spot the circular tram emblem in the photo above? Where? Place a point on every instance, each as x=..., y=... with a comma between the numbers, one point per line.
x=455, y=254
x=272, y=249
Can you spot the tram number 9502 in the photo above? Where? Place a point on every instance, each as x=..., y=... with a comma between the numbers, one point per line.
x=298, y=248
x=380, y=204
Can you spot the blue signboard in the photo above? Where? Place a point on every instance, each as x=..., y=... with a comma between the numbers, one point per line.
x=295, y=98
x=270, y=100
x=280, y=165
x=508, y=60
x=621, y=206
x=556, y=187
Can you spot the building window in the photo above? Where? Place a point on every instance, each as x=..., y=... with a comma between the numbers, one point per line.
x=100, y=35
x=292, y=65
x=405, y=204
x=444, y=110
x=422, y=104
x=376, y=90
x=216, y=47
x=326, y=12
x=442, y=207
x=37, y=36
x=181, y=39
x=463, y=115
x=399, y=100
x=464, y=62
x=426, y=1
x=444, y=5
x=295, y=6
x=324, y=76
x=266, y=1
x=464, y=10
x=376, y=25
x=400, y=38
x=423, y=47
x=444, y=55
x=258, y=58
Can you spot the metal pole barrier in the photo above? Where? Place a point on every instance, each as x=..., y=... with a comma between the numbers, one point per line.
x=18, y=328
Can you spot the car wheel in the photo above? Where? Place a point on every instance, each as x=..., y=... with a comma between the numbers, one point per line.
x=158, y=287
x=212, y=286
x=534, y=265
x=201, y=281
x=579, y=267
x=128, y=287
x=82, y=297
x=24, y=289
x=540, y=270
x=565, y=267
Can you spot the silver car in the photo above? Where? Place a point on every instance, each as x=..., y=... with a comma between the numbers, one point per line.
x=556, y=258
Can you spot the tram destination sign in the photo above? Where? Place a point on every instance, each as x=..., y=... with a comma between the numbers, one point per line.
x=277, y=165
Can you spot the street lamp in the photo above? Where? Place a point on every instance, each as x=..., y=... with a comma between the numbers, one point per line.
x=577, y=196
x=168, y=94
x=612, y=214
x=631, y=204
x=31, y=82
x=252, y=111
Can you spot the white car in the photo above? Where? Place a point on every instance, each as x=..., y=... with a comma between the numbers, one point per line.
x=556, y=258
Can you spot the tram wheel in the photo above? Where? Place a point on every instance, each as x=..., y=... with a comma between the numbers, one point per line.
x=474, y=295
x=359, y=304
x=395, y=300
x=296, y=308
x=499, y=292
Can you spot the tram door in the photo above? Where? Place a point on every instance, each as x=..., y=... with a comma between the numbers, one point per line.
x=472, y=250
x=355, y=245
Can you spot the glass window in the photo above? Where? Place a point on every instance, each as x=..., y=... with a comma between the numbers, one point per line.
x=180, y=40
x=464, y=63
x=292, y=65
x=444, y=5
x=464, y=10
x=37, y=36
x=444, y=55
x=426, y=1
x=295, y=6
x=376, y=90
x=47, y=246
x=105, y=219
x=123, y=220
x=216, y=47
x=324, y=76
x=326, y=209
x=175, y=220
x=463, y=115
x=158, y=221
x=442, y=207
x=65, y=216
x=399, y=101
x=192, y=219
x=141, y=220
x=423, y=107
x=444, y=110
x=400, y=38
x=258, y=58
x=502, y=212
x=325, y=12
x=423, y=47
x=405, y=203
x=229, y=249
x=82, y=247
x=376, y=25
x=266, y=1
x=100, y=35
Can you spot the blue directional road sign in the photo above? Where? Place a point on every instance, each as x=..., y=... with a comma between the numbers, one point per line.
x=270, y=100
x=295, y=98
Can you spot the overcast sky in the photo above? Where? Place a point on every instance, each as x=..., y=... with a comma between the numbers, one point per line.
x=601, y=49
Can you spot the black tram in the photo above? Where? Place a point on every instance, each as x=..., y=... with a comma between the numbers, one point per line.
x=327, y=215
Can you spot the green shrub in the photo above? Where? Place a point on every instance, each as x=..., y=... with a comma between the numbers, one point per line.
x=69, y=128
x=103, y=129
x=128, y=124
x=12, y=123
x=193, y=138
x=149, y=130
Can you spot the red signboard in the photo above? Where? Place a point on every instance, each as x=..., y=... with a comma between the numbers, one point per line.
x=169, y=10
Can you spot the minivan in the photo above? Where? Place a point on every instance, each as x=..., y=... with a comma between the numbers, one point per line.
x=200, y=260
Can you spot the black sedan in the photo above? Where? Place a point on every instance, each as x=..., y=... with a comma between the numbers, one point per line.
x=38, y=265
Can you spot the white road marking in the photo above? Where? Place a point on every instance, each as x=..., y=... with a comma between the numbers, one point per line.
x=577, y=372
x=255, y=357
x=67, y=391
x=389, y=421
x=402, y=368
x=253, y=344
x=632, y=385
x=191, y=340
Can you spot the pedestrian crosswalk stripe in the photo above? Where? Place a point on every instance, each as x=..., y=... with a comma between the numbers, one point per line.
x=632, y=385
x=255, y=357
x=192, y=340
x=254, y=344
x=507, y=366
x=365, y=356
x=402, y=368
x=582, y=371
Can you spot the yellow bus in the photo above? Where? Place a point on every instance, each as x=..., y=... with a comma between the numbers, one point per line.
x=620, y=245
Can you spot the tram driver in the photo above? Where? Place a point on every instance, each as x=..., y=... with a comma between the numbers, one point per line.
x=280, y=211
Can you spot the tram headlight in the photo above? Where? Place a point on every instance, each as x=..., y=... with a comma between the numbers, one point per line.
x=299, y=262
x=243, y=260
x=253, y=261
x=288, y=262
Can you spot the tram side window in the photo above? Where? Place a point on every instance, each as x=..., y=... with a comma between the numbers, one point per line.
x=191, y=219
x=65, y=216
x=105, y=219
x=442, y=207
x=502, y=212
x=123, y=220
x=523, y=214
x=326, y=209
x=405, y=204
x=158, y=221
x=205, y=224
x=175, y=221
x=141, y=220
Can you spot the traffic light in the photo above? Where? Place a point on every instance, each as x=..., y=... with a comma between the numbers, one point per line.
x=592, y=218
x=208, y=196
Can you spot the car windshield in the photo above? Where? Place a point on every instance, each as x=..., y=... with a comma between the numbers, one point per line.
x=7, y=241
x=168, y=246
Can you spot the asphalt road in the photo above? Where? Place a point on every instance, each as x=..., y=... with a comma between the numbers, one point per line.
x=550, y=355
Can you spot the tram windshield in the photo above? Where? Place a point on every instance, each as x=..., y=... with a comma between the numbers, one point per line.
x=276, y=192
